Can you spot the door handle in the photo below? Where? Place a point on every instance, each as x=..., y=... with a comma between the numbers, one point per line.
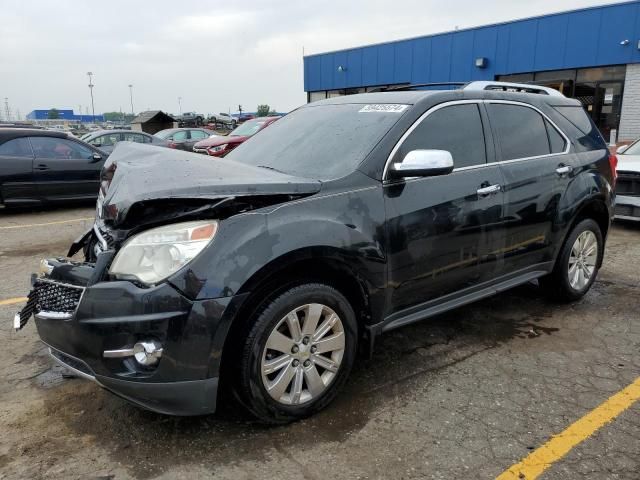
x=490, y=190
x=564, y=170
x=42, y=167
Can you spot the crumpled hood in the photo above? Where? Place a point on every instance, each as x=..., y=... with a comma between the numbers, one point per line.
x=628, y=163
x=137, y=173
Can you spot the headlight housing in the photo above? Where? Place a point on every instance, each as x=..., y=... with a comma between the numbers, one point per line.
x=218, y=148
x=153, y=255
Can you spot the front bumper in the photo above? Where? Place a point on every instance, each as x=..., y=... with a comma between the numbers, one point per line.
x=195, y=397
x=117, y=314
x=627, y=208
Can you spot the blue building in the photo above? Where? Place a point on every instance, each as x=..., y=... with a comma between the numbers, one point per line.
x=591, y=54
x=64, y=116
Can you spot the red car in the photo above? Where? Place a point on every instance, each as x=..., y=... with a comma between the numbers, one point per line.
x=220, y=146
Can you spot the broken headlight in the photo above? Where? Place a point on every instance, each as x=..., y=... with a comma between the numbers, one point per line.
x=153, y=255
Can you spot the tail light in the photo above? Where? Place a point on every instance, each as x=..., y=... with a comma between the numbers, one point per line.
x=613, y=163
x=172, y=145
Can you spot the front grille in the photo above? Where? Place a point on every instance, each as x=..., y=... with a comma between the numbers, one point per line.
x=55, y=297
x=628, y=184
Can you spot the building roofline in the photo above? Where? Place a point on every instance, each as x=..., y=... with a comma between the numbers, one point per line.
x=477, y=27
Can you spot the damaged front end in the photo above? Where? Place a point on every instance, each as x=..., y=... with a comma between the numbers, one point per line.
x=141, y=336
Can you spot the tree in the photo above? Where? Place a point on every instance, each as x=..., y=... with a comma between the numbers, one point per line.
x=53, y=114
x=263, y=110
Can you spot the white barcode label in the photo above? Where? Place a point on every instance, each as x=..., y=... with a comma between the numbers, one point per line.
x=384, y=108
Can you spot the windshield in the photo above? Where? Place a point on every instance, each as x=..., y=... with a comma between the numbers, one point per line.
x=634, y=149
x=248, y=128
x=322, y=142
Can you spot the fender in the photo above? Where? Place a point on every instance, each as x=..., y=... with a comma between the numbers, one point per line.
x=345, y=226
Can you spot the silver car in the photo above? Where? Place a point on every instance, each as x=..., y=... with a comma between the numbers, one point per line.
x=106, y=140
x=628, y=184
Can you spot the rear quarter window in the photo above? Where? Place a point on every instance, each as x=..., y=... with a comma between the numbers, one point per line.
x=556, y=141
x=577, y=116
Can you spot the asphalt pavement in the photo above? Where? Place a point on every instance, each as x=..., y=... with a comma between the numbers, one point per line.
x=467, y=394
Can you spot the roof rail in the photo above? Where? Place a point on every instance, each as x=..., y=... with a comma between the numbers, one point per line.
x=414, y=86
x=513, y=87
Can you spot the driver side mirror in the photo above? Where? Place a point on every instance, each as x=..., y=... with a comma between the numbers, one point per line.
x=423, y=163
x=622, y=149
x=96, y=157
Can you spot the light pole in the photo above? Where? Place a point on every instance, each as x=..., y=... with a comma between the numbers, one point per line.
x=131, y=97
x=180, y=104
x=93, y=110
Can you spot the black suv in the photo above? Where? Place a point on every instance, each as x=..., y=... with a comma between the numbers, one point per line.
x=345, y=219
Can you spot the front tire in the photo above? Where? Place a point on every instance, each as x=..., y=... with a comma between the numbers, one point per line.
x=298, y=353
x=577, y=264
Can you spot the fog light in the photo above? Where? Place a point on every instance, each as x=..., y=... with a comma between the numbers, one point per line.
x=147, y=353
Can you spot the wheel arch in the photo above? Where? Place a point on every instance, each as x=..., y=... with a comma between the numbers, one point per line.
x=320, y=264
x=594, y=208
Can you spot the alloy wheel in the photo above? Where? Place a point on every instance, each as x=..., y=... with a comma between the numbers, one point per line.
x=582, y=261
x=303, y=354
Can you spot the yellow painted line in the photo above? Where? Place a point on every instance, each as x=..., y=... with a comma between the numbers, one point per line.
x=11, y=301
x=559, y=445
x=12, y=227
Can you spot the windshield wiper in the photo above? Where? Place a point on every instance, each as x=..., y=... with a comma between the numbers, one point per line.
x=271, y=168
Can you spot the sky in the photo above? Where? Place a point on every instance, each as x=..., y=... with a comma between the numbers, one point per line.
x=214, y=55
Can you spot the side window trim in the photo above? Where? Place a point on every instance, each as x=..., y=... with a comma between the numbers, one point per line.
x=489, y=134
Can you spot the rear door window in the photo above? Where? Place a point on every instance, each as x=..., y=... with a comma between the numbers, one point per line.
x=18, y=147
x=457, y=129
x=180, y=136
x=134, y=137
x=198, y=135
x=108, y=140
x=521, y=131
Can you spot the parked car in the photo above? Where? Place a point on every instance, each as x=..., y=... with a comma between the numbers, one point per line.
x=265, y=271
x=190, y=119
x=39, y=166
x=246, y=116
x=106, y=140
x=183, y=138
x=222, y=145
x=628, y=185
x=222, y=119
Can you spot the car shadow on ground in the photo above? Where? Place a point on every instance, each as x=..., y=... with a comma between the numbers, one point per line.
x=60, y=207
x=631, y=225
x=148, y=443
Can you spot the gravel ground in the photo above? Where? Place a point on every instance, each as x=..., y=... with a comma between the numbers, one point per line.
x=464, y=395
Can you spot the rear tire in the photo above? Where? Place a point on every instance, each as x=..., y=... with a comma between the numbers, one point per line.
x=298, y=353
x=577, y=264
